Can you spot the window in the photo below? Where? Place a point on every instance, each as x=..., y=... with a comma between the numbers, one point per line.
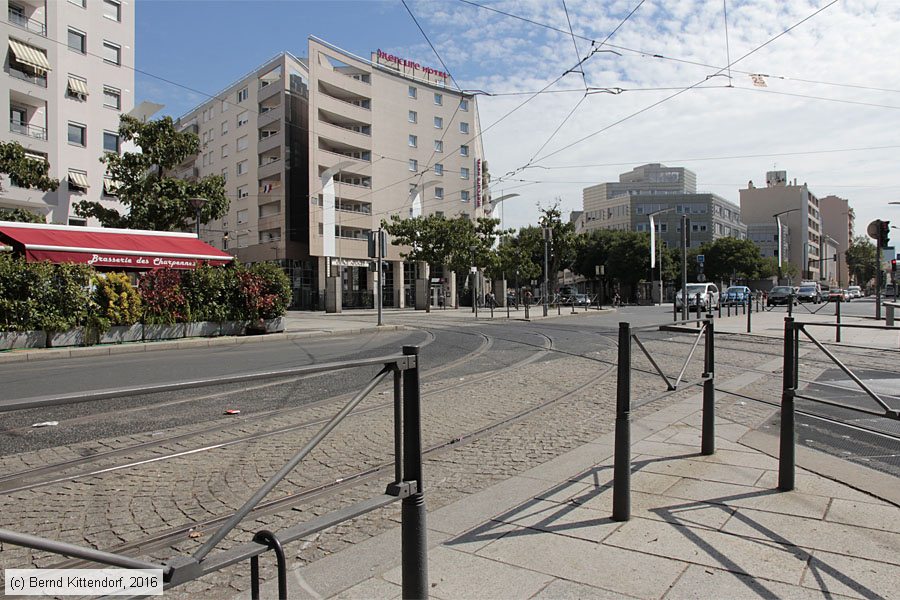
x=463, y=127
x=243, y=119
x=77, y=134
x=439, y=193
x=242, y=95
x=224, y=107
x=81, y=3
x=438, y=169
x=464, y=195
x=242, y=143
x=224, y=127
x=438, y=99
x=242, y=214
x=413, y=116
x=464, y=173
x=225, y=151
x=225, y=174
x=78, y=181
x=464, y=105
x=77, y=88
x=112, y=53
x=438, y=146
x=413, y=141
x=413, y=93
x=112, y=9
x=413, y=165
x=110, y=142
x=112, y=98
x=77, y=40
x=463, y=150
x=243, y=192
x=241, y=167
x=438, y=123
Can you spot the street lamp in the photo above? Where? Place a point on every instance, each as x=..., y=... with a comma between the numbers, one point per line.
x=653, y=249
x=778, y=226
x=197, y=203
x=548, y=237
x=474, y=285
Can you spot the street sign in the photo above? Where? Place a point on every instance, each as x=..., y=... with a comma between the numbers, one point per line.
x=701, y=278
x=700, y=259
x=874, y=228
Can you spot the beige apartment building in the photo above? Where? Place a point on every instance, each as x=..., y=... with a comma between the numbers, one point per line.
x=797, y=207
x=317, y=151
x=67, y=78
x=838, y=222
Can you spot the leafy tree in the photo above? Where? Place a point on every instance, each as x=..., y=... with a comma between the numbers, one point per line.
x=768, y=267
x=862, y=260
x=153, y=199
x=629, y=257
x=514, y=257
x=562, y=249
x=729, y=257
x=20, y=215
x=23, y=171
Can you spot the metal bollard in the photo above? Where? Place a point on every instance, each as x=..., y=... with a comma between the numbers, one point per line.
x=697, y=306
x=719, y=307
x=558, y=306
x=622, y=460
x=837, y=315
x=268, y=538
x=492, y=310
x=790, y=305
x=786, y=456
x=507, y=307
x=708, y=439
x=414, y=545
x=729, y=310
x=573, y=305
x=674, y=311
x=749, y=315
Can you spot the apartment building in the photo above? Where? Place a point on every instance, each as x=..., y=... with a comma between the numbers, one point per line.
x=67, y=78
x=838, y=221
x=798, y=208
x=317, y=151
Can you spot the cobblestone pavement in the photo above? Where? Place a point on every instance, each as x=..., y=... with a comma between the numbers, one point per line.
x=126, y=506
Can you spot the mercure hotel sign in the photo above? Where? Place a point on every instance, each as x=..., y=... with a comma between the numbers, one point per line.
x=383, y=58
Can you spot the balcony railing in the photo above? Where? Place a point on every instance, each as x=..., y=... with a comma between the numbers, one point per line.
x=33, y=131
x=40, y=80
x=27, y=24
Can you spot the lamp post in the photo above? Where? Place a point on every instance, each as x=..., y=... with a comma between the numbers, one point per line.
x=474, y=285
x=778, y=227
x=197, y=204
x=653, y=247
x=494, y=203
x=548, y=237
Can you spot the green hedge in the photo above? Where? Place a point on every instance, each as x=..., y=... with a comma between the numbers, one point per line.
x=45, y=296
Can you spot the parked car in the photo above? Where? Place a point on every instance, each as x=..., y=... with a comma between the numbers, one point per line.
x=779, y=295
x=838, y=295
x=855, y=291
x=737, y=294
x=808, y=293
x=709, y=296
x=581, y=299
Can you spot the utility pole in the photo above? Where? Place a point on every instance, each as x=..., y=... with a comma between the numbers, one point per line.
x=548, y=236
x=685, y=223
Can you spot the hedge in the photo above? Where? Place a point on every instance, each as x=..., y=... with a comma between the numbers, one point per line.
x=56, y=297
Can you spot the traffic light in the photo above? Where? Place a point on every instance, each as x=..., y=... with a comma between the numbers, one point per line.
x=893, y=265
x=884, y=233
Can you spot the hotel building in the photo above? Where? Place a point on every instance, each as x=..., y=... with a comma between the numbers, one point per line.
x=67, y=78
x=317, y=151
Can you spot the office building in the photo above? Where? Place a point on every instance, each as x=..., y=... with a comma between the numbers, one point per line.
x=67, y=79
x=317, y=151
x=797, y=207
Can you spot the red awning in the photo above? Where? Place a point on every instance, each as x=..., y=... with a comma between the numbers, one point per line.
x=113, y=248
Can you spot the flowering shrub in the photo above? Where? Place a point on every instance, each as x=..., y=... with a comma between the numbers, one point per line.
x=164, y=302
x=116, y=302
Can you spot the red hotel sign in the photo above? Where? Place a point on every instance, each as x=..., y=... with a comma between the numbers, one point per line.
x=409, y=64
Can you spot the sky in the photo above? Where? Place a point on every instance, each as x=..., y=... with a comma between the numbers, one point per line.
x=656, y=72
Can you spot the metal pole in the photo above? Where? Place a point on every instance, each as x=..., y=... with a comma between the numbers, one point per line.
x=380, y=271
x=414, y=545
x=698, y=309
x=684, y=297
x=749, y=314
x=546, y=267
x=791, y=305
x=786, y=458
x=622, y=460
x=837, y=314
x=708, y=442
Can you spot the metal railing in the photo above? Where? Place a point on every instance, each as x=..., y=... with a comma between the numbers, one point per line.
x=39, y=80
x=622, y=460
x=23, y=22
x=790, y=386
x=406, y=486
x=32, y=131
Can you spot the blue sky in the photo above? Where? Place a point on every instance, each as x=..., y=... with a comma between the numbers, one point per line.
x=828, y=115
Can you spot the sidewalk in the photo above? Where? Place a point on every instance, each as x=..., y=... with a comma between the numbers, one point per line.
x=701, y=527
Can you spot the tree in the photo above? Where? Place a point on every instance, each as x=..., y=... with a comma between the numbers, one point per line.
x=24, y=171
x=768, y=267
x=562, y=250
x=862, y=261
x=153, y=199
x=728, y=257
x=20, y=215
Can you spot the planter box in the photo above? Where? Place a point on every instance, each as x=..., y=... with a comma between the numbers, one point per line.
x=118, y=334
x=201, y=329
x=163, y=332
x=232, y=327
x=275, y=325
x=62, y=339
x=11, y=340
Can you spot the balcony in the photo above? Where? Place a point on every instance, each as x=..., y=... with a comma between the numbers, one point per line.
x=32, y=131
x=270, y=142
x=269, y=166
x=23, y=22
x=268, y=89
x=345, y=81
x=345, y=135
x=269, y=114
x=29, y=76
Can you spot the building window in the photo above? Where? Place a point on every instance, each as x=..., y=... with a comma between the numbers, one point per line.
x=77, y=134
x=242, y=143
x=224, y=127
x=77, y=88
x=413, y=165
x=464, y=173
x=242, y=95
x=438, y=123
x=413, y=116
x=438, y=146
x=77, y=40
x=242, y=215
x=438, y=99
x=225, y=174
x=225, y=151
x=81, y=3
x=463, y=150
x=463, y=127
x=464, y=105
x=413, y=92
x=439, y=193
x=112, y=9
x=413, y=141
x=112, y=53
x=438, y=169
x=243, y=119
x=112, y=98
x=78, y=181
x=241, y=167
x=110, y=142
x=464, y=195
x=243, y=192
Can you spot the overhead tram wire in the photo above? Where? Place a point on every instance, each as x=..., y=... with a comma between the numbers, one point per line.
x=575, y=43
x=727, y=45
x=656, y=55
x=678, y=93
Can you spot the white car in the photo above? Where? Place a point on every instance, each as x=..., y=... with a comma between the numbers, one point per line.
x=709, y=296
x=855, y=291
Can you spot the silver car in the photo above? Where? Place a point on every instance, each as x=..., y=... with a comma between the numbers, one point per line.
x=709, y=296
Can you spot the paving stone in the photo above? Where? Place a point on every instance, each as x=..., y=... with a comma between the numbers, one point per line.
x=567, y=519
x=703, y=583
x=852, y=576
x=560, y=589
x=699, y=469
x=663, y=508
x=864, y=514
x=375, y=588
x=712, y=492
